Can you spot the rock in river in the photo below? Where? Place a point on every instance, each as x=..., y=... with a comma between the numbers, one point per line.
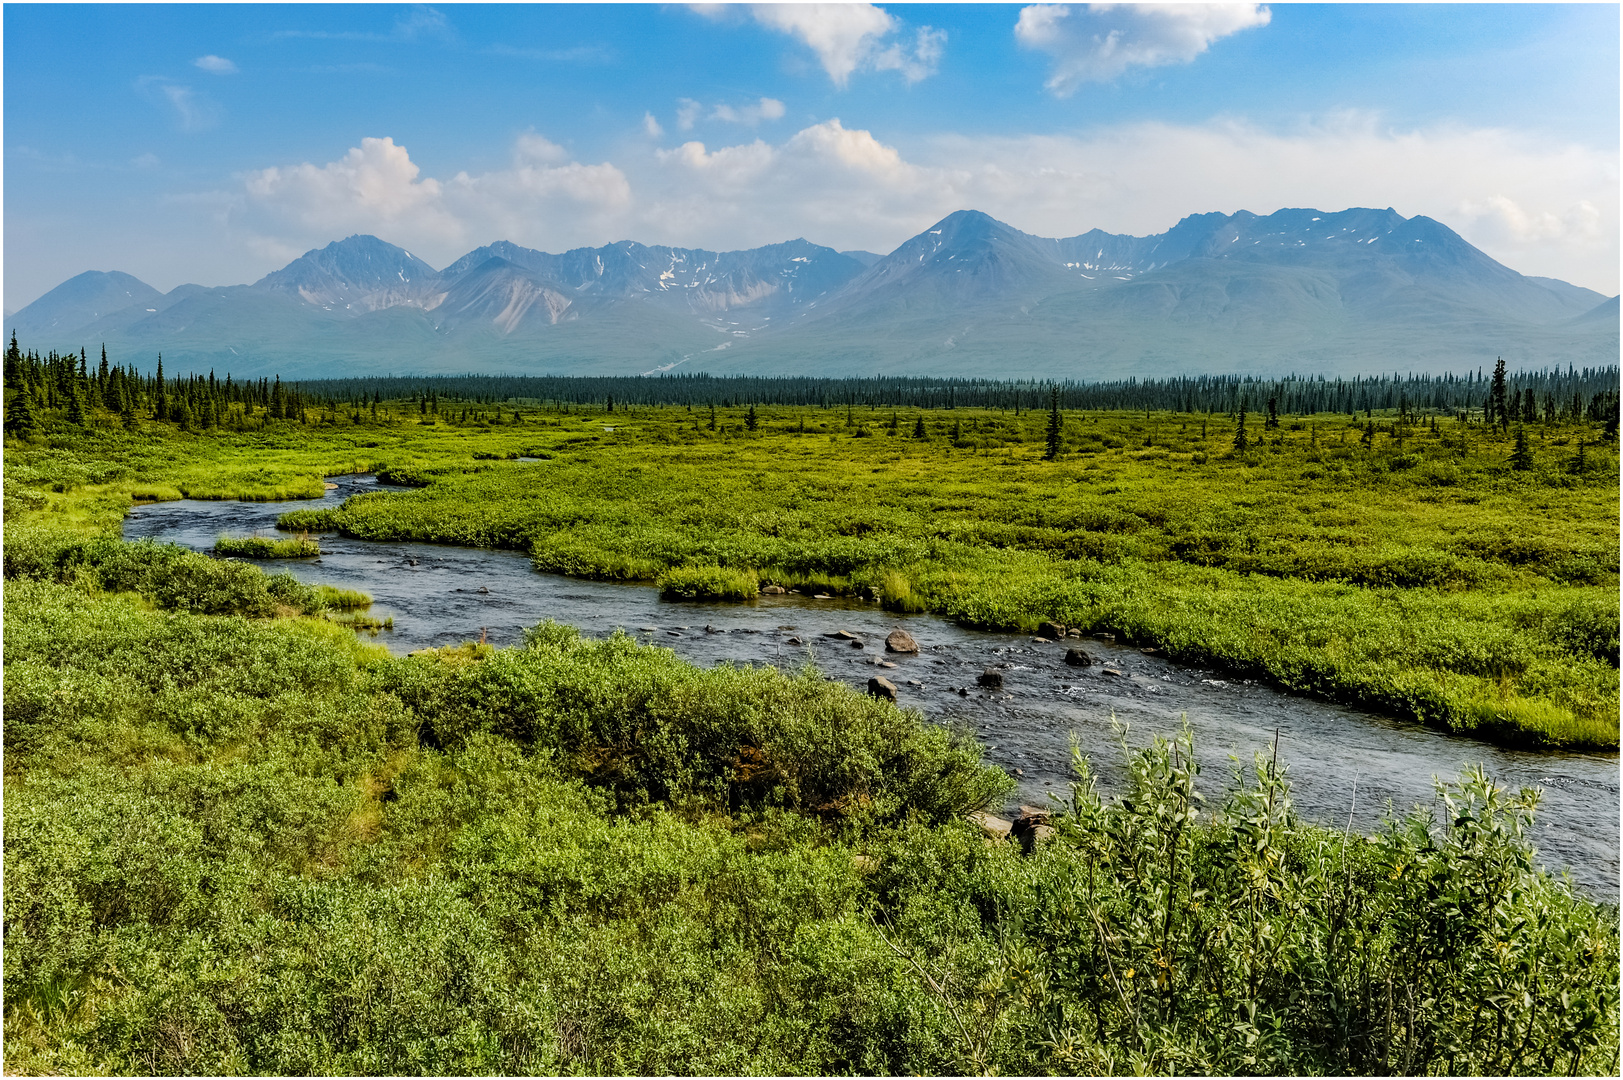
x=881, y=687
x=900, y=641
x=1078, y=658
x=991, y=678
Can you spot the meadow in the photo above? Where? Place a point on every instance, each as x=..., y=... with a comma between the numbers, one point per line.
x=240, y=840
x=1403, y=563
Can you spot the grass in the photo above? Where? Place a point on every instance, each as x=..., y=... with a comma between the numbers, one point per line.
x=259, y=547
x=1386, y=562
x=336, y=599
x=708, y=583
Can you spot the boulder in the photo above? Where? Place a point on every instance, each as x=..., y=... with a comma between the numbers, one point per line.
x=793, y=641
x=991, y=678
x=1150, y=652
x=1034, y=836
x=1078, y=658
x=856, y=643
x=995, y=828
x=772, y=590
x=900, y=641
x=844, y=635
x=881, y=687
x=1053, y=631
x=1073, y=632
x=1031, y=827
x=1033, y=815
x=1113, y=671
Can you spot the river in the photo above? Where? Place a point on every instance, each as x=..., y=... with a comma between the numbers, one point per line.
x=1344, y=765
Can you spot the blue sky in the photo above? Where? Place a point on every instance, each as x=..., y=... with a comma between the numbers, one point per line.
x=214, y=143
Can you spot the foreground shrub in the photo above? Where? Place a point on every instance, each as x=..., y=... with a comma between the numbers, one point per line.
x=256, y=846
x=647, y=726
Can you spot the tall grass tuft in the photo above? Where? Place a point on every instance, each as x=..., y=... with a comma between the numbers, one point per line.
x=260, y=547
x=709, y=583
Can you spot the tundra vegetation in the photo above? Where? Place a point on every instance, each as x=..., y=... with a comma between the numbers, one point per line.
x=239, y=840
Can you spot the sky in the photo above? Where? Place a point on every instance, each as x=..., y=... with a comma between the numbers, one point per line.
x=215, y=143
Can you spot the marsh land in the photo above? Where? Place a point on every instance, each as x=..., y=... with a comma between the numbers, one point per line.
x=239, y=838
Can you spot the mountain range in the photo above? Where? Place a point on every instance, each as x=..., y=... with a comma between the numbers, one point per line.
x=1298, y=290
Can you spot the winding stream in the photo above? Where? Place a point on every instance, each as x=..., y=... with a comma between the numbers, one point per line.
x=1344, y=764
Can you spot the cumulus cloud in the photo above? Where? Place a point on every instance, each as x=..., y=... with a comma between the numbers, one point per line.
x=849, y=37
x=1541, y=208
x=1099, y=42
x=377, y=188
x=215, y=65
x=373, y=187
x=650, y=126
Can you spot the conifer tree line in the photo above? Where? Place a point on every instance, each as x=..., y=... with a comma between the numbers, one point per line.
x=1590, y=393
x=68, y=387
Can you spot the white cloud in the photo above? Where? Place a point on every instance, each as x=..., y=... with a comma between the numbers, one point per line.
x=1539, y=207
x=377, y=188
x=750, y=115
x=848, y=37
x=215, y=65
x=650, y=126
x=374, y=187
x=918, y=63
x=532, y=149
x=690, y=112
x=1100, y=42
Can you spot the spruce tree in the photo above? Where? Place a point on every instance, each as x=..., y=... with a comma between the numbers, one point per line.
x=750, y=420
x=1052, y=437
x=22, y=418
x=918, y=427
x=1498, y=400
x=1272, y=423
x=1521, y=459
x=1242, y=442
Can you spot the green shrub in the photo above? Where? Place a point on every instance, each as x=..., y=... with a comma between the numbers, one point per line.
x=337, y=599
x=259, y=547
x=709, y=583
x=644, y=724
x=307, y=521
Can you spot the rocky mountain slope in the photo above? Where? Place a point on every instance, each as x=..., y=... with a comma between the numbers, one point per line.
x=1298, y=290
